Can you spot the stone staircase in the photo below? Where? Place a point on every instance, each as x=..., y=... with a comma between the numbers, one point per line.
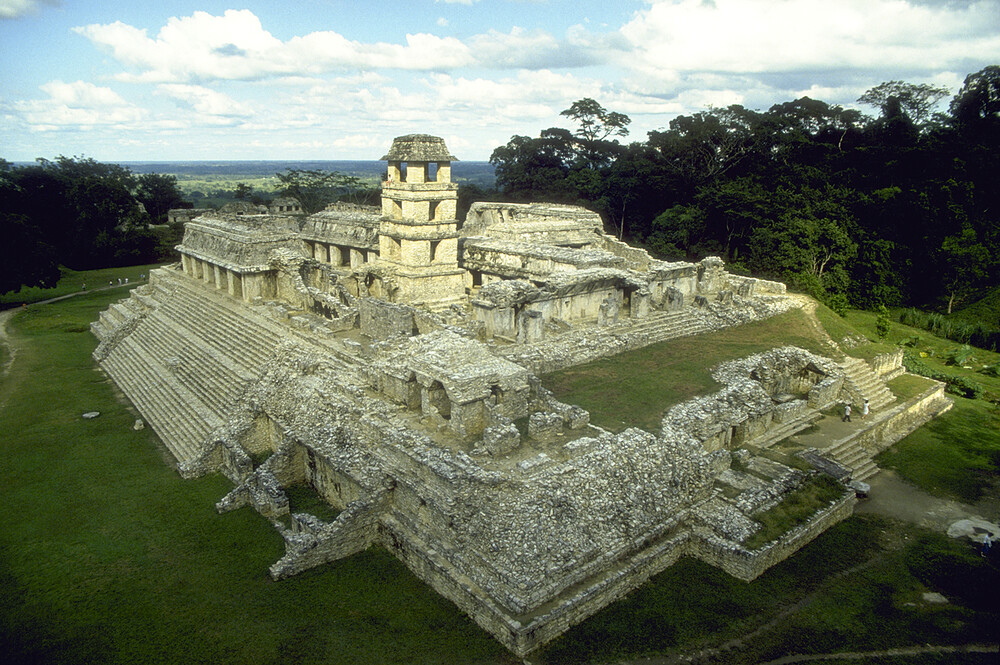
x=863, y=383
x=784, y=430
x=187, y=361
x=185, y=353
x=849, y=454
x=177, y=415
x=662, y=326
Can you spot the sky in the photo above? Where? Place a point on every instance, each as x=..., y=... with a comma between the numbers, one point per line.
x=121, y=80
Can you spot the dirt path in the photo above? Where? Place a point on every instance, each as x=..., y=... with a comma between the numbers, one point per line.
x=893, y=497
x=901, y=652
x=5, y=340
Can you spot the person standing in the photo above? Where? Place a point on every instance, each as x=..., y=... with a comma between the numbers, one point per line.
x=865, y=410
x=847, y=414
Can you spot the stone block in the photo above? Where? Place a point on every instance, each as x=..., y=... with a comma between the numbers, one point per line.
x=501, y=439
x=544, y=424
x=380, y=319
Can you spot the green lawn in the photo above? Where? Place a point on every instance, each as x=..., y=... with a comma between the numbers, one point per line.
x=847, y=591
x=636, y=388
x=108, y=556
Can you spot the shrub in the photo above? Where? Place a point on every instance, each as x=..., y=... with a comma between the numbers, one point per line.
x=838, y=303
x=955, y=384
x=882, y=323
x=975, y=334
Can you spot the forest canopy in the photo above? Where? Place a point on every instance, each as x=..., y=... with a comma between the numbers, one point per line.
x=78, y=213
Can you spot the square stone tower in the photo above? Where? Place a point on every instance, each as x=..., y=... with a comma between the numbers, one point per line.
x=418, y=234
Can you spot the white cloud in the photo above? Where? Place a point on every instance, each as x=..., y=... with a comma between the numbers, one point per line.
x=77, y=105
x=442, y=22
x=756, y=36
x=18, y=8
x=523, y=48
x=236, y=46
x=206, y=102
x=531, y=95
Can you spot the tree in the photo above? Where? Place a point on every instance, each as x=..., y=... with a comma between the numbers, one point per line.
x=978, y=102
x=964, y=264
x=708, y=144
x=314, y=188
x=243, y=192
x=533, y=169
x=596, y=122
x=915, y=101
x=26, y=258
x=808, y=122
x=158, y=193
x=882, y=324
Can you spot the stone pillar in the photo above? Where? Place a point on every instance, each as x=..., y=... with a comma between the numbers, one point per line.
x=531, y=326
x=218, y=277
x=444, y=172
x=208, y=272
x=357, y=258
x=639, y=305
x=233, y=284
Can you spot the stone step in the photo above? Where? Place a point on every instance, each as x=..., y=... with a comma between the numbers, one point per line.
x=863, y=380
x=245, y=345
x=848, y=453
x=238, y=326
x=171, y=411
x=784, y=430
x=216, y=385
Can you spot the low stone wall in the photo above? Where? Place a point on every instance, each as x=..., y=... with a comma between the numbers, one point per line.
x=888, y=365
x=380, y=319
x=311, y=542
x=747, y=564
x=752, y=286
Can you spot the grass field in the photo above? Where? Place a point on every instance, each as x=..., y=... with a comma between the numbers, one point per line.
x=956, y=456
x=108, y=556
x=636, y=388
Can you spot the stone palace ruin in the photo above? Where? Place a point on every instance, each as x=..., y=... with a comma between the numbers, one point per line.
x=389, y=360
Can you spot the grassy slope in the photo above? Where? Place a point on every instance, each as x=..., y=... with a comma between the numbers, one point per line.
x=108, y=556
x=985, y=310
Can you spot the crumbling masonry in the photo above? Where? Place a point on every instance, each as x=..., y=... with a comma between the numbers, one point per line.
x=390, y=360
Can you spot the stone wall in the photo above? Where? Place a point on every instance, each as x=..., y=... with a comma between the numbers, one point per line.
x=889, y=365
x=380, y=319
x=747, y=564
x=511, y=259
